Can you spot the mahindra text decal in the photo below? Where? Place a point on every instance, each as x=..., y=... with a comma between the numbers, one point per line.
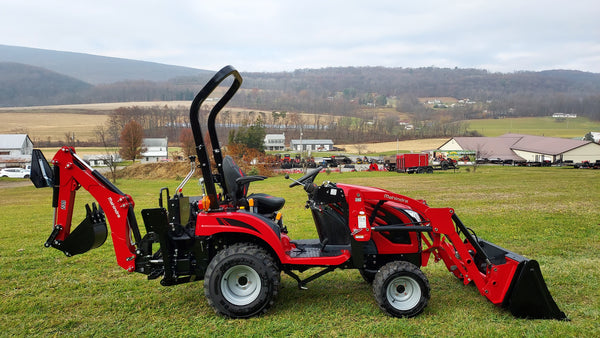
x=114, y=207
x=395, y=198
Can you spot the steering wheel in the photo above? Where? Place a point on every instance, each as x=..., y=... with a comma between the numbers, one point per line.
x=309, y=177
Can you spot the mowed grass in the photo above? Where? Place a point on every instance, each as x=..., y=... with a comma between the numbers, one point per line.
x=540, y=126
x=547, y=214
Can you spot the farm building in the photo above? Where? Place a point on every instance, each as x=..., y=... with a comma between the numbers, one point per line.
x=311, y=145
x=518, y=147
x=102, y=160
x=155, y=149
x=15, y=150
x=274, y=142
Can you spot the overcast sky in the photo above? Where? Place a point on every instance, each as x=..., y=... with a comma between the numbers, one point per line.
x=265, y=35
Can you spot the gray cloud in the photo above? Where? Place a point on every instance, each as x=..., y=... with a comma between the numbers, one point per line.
x=265, y=35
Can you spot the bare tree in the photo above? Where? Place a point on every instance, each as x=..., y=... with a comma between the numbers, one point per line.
x=110, y=157
x=131, y=140
x=188, y=145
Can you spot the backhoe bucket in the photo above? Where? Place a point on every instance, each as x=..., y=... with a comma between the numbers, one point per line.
x=41, y=174
x=89, y=234
x=528, y=296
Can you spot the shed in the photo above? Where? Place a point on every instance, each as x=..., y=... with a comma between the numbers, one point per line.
x=15, y=150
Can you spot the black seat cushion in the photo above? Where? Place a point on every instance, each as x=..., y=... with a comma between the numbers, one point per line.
x=267, y=204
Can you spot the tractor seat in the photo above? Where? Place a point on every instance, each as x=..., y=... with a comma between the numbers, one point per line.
x=236, y=183
x=267, y=204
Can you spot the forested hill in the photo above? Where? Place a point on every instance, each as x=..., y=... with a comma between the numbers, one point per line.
x=336, y=90
x=24, y=85
x=94, y=69
x=428, y=82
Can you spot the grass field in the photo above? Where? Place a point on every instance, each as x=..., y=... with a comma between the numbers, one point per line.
x=541, y=126
x=547, y=214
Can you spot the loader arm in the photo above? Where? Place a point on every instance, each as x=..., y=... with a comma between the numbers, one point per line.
x=503, y=277
x=70, y=174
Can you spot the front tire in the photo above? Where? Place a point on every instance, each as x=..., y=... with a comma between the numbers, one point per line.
x=241, y=281
x=401, y=289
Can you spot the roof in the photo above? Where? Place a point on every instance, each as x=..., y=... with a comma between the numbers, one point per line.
x=12, y=141
x=274, y=136
x=316, y=141
x=502, y=147
x=544, y=145
x=155, y=142
x=491, y=147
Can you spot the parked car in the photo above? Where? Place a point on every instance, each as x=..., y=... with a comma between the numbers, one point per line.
x=14, y=172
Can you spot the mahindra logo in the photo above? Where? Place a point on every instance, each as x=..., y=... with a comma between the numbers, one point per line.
x=394, y=198
x=110, y=200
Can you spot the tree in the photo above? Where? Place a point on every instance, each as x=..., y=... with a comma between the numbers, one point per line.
x=131, y=140
x=110, y=156
x=252, y=137
x=188, y=145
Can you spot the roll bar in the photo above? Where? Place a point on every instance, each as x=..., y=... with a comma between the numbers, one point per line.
x=201, y=151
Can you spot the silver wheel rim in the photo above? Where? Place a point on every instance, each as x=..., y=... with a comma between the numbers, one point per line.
x=403, y=293
x=240, y=285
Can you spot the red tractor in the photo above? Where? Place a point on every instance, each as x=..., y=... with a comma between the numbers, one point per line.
x=237, y=243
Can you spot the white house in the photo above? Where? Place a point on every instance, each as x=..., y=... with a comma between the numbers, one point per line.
x=15, y=150
x=274, y=142
x=155, y=149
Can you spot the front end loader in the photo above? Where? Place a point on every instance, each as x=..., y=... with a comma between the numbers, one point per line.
x=238, y=244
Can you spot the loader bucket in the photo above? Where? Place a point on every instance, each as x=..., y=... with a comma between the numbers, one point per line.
x=528, y=296
x=89, y=234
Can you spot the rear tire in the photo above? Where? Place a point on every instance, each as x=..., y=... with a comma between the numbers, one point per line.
x=241, y=281
x=401, y=289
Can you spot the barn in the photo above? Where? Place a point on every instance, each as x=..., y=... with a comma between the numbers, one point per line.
x=15, y=150
x=530, y=148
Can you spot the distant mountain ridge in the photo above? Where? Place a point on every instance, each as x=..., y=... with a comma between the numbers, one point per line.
x=25, y=85
x=95, y=69
x=35, y=77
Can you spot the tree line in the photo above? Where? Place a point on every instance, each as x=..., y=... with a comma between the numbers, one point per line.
x=332, y=91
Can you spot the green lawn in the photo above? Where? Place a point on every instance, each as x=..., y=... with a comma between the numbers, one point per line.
x=547, y=214
x=541, y=126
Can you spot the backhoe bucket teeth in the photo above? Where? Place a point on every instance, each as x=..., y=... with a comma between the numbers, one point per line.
x=530, y=297
x=89, y=234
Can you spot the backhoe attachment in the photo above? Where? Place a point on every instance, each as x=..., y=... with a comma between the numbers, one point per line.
x=70, y=173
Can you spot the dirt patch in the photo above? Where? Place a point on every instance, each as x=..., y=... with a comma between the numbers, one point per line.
x=162, y=170
x=178, y=170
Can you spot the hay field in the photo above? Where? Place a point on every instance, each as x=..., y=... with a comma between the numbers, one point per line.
x=408, y=145
x=44, y=125
x=43, y=122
